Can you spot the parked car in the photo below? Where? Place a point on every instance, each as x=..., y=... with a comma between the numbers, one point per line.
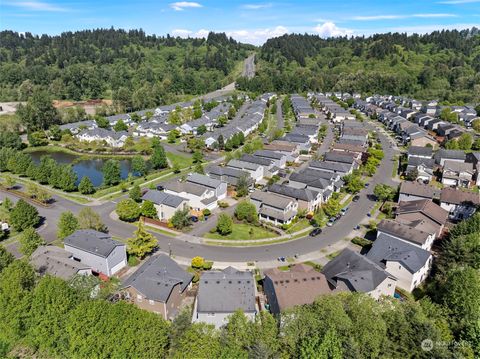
x=355, y=198
x=315, y=232
x=194, y=218
x=160, y=188
x=331, y=221
x=357, y=227
x=343, y=211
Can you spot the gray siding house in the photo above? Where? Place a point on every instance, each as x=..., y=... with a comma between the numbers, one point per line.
x=97, y=250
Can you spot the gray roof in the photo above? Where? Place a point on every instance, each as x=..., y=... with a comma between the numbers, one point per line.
x=157, y=277
x=297, y=193
x=296, y=138
x=159, y=197
x=55, y=261
x=269, y=154
x=335, y=156
x=176, y=186
x=226, y=291
x=404, y=231
x=417, y=161
x=226, y=171
x=204, y=180
x=243, y=165
x=387, y=248
x=450, y=154
x=89, y=240
x=254, y=159
x=332, y=166
x=420, y=151
x=271, y=199
x=359, y=273
x=419, y=189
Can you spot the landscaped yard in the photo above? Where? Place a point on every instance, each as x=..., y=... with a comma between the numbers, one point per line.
x=301, y=224
x=244, y=231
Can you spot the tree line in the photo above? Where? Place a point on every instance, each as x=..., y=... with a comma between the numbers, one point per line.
x=443, y=65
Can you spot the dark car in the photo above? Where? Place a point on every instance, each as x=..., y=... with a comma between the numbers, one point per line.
x=194, y=218
x=355, y=198
x=160, y=188
x=315, y=232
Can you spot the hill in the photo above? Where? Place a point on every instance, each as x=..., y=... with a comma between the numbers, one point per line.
x=443, y=65
x=129, y=66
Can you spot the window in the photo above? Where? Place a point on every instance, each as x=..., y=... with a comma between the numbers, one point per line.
x=151, y=302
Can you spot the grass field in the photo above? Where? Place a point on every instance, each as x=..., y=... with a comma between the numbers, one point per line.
x=244, y=231
x=302, y=224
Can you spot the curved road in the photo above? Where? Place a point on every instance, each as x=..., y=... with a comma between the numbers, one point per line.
x=342, y=228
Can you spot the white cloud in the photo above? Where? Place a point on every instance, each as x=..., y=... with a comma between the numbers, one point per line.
x=257, y=36
x=393, y=17
x=181, y=32
x=181, y=5
x=256, y=6
x=36, y=6
x=202, y=33
x=329, y=29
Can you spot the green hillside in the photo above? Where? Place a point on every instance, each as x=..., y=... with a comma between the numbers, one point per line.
x=443, y=65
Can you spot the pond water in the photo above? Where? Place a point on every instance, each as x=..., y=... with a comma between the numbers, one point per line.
x=91, y=167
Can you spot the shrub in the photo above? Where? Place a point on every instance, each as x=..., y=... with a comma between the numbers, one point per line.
x=222, y=204
x=362, y=242
x=198, y=262
x=207, y=265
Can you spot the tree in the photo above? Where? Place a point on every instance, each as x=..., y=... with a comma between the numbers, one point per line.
x=142, y=243
x=135, y=193
x=197, y=157
x=181, y=218
x=148, y=209
x=38, y=113
x=172, y=136
x=89, y=219
x=332, y=207
x=6, y=258
x=202, y=129
x=24, y=216
x=221, y=142
x=111, y=173
x=224, y=224
x=246, y=211
x=199, y=169
x=10, y=182
x=176, y=167
x=139, y=167
x=38, y=138
x=242, y=185
x=128, y=210
x=102, y=122
x=198, y=262
x=222, y=120
x=476, y=124
x=120, y=126
x=86, y=186
x=384, y=192
x=465, y=141
x=353, y=183
x=11, y=140
x=195, y=144
x=67, y=225
x=30, y=240
x=159, y=158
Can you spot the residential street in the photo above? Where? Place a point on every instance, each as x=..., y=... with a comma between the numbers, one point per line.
x=249, y=67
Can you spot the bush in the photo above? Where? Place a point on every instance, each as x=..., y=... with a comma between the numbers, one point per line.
x=246, y=211
x=128, y=210
x=24, y=216
x=224, y=224
x=132, y=261
x=207, y=212
x=198, y=262
x=362, y=242
x=222, y=204
x=207, y=265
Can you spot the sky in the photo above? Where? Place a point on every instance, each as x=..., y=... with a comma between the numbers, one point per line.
x=246, y=21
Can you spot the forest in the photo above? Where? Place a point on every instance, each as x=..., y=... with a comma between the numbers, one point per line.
x=443, y=65
x=47, y=317
x=137, y=69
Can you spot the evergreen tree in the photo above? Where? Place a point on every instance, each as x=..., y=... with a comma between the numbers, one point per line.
x=86, y=186
x=142, y=243
x=135, y=193
x=30, y=240
x=111, y=173
x=23, y=216
x=148, y=209
x=139, y=167
x=159, y=158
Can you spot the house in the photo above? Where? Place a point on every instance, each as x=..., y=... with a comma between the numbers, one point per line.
x=449, y=155
x=420, y=152
x=97, y=250
x=457, y=174
x=274, y=208
x=76, y=127
x=199, y=197
x=408, y=263
x=158, y=286
x=422, y=139
x=341, y=157
x=301, y=141
x=57, y=262
x=300, y=285
x=307, y=199
x=229, y=175
x=165, y=204
x=334, y=167
x=412, y=191
x=255, y=170
x=422, y=214
x=153, y=129
x=279, y=159
x=423, y=166
x=354, y=149
x=474, y=158
x=268, y=164
x=352, y=272
x=219, y=187
x=221, y=293
x=406, y=233
x=112, y=138
x=459, y=204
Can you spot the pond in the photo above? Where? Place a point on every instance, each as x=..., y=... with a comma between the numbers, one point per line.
x=90, y=167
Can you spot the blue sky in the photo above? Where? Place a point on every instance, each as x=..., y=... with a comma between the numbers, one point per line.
x=246, y=21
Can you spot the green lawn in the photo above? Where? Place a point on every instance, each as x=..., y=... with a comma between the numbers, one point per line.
x=243, y=231
x=183, y=161
x=301, y=224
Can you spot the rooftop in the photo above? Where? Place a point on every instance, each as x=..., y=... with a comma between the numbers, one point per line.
x=419, y=189
x=403, y=231
x=89, y=240
x=159, y=197
x=55, y=261
x=426, y=207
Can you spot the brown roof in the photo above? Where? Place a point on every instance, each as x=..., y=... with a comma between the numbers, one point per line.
x=354, y=131
x=300, y=285
x=275, y=146
x=419, y=189
x=426, y=207
x=403, y=231
x=348, y=147
x=454, y=196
